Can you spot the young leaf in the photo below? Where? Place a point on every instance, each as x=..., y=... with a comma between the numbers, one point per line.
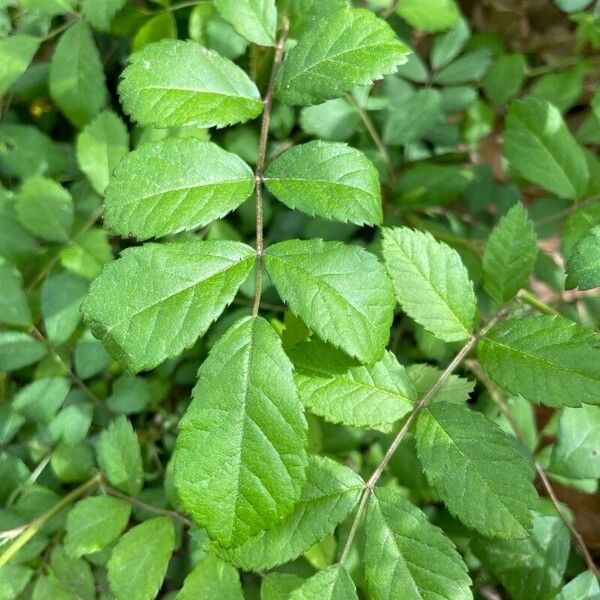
x=509, y=255
x=256, y=20
x=372, y=397
x=454, y=389
x=583, y=265
x=540, y=147
x=173, y=83
x=332, y=583
x=46, y=209
x=14, y=308
x=76, y=80
x=350, y=48
x=481, y=474
x=240, y=460
x=333, y=181
x=120, y=458
x=99, y=13
x=408, y=557
x=548, y=360
x=341, y=292
x=94, y=523
x=16, y=52
x=158, y=189
x=100, y=146
x=139, y=561
x=331, y=492
x=431, y=283
x=211, y=578
x=156, y=300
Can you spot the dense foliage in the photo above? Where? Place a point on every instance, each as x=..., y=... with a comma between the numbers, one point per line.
x=299, y=299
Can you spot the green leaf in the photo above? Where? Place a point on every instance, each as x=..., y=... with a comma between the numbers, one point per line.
x=46, y=209
x=18, y=350
x=13, y=580
x=162, y=26
x=532, y=567
x=99, y=13
x=130, y=394
x=158, y=189
x=53, y=391
x=576, y=453
x=584, y=587
x=240, y=460
x=583, y=265
x=256, y=20
x=278, y=586
x=431, y=283
x=156, y=300
x=139, y=561
x=335, y=120
x=429, y=15
x=212, y=578
x=483, y=476
x=372, y=397
x=333, y=181
x=16, y=52
x=14, y=308
x=408, y=557
x=341, y=292
x=430, y=184
x=304, y=14
x=61, y=297
x=509, y=255
x=94, y=523
x=538, y=144
x=350, y=48
x=174, y=83
x=76, y=82
x=505, y=78
x=100, y=146
x=75, y=574
x=86, y=253
x=454, y=389
x=332, y=583
x=120, y=457
x=331, y=492
x=447, y=47
x=467, y=68
x=548, y=360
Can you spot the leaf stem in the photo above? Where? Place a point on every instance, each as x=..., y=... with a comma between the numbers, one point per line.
x=535, y=302
x=260, y=164
x=419, y=406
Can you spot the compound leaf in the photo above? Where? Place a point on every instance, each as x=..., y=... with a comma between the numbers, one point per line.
x=159, y=188
x=240, y=460
x=156, y=300
x=256, y=20
x=341, y=292
x=332, y=583
x=328, y=180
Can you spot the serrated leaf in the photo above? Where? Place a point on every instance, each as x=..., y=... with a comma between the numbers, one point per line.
x=158, y=189
x=240, y=459
x=331, y=492
x=156, y=300
x=340, y=52
x=100, y=13
x=341, y=292
x=174, y=83
x=408, y=557
x=548, y=360
x=454, y=389
x=94, y=523
x=509, y=256
x=431, y=283
x=76, y=80
x=539, y=145
x=304, y=13
x=583, y=265
x=211, y=578
x=100, y=146
x=332, y=583
x=481, y=474
x=14, y=308
x=256, y=20
x=333, y=181
x=139, y=561
x=372, y=397
x=46, y=209
x=120, y=457
x=16, y=52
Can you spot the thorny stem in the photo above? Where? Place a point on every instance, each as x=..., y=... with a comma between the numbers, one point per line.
x=260, y=164
x=498, y=397
x=421, y=404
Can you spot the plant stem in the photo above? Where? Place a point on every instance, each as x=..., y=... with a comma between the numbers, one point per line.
x=59, y=30
x=260, y=164
x=535, y=302
x=419, y=406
